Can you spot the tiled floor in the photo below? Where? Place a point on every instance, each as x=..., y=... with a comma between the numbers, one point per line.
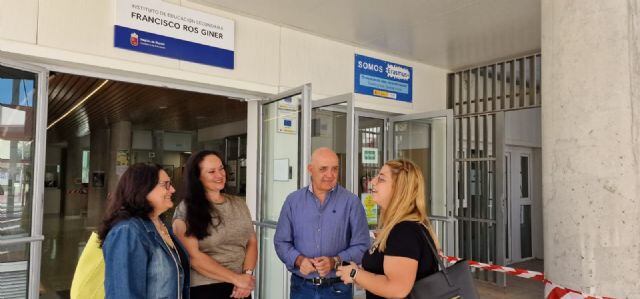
x=64, y=241
x=517, y=288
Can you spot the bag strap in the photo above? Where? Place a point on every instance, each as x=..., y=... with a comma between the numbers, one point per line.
x=443, y=269
x=433, y=251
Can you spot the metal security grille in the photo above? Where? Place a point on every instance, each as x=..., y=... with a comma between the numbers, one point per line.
x=479, y=96
x=13, y=280
x=507, y=85
x=371, y=136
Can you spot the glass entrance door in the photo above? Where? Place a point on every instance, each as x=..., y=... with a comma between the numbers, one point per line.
x=23, y=105
x=519, y=203
x=370, y=154
x=427, y=140
x=332, y=123
x=284, y=147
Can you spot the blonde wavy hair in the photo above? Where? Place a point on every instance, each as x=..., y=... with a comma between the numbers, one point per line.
x=407, y=203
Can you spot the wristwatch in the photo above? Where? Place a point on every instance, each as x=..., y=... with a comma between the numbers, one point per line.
x=353, y=273
x=337, y=261
x=249, y=271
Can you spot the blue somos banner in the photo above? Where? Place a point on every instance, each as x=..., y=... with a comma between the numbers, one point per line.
x=383, y=79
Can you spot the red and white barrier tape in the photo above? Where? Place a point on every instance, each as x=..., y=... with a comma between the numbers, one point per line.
x=77, y=191
x=551, y=290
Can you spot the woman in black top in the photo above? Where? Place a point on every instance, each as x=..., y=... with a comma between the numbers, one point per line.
x=399, y=255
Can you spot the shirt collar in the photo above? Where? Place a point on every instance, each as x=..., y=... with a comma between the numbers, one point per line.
x=311, y=188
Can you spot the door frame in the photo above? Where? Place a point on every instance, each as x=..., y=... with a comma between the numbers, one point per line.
x=508, y=202
x=37, y=201
x=303, y=154
x=348, y=100
x=305, y=132
x=448, y=246
x=356, y=144
x=515, y=201
x=44, y=68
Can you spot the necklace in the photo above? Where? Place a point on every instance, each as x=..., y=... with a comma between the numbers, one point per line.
x=373, y=248
x=164, y=233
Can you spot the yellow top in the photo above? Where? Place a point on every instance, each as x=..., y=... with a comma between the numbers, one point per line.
x=88, y=280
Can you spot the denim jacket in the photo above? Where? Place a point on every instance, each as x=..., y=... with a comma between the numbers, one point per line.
x=138, y=264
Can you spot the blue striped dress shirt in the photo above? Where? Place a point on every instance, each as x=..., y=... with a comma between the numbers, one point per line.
x=338, y=227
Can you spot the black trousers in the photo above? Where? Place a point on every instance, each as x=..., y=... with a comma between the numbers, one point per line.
x=221, y=290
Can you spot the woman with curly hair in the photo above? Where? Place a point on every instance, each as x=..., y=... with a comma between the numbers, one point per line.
x=217, y=232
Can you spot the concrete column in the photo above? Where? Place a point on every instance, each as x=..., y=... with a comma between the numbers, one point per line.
x=74, y=200
x=99, y=162
x=120, y=139
x=158, y=146
x=591, y=145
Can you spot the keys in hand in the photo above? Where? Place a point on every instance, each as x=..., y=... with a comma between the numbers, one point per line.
x=306, y=266
x=323, y=264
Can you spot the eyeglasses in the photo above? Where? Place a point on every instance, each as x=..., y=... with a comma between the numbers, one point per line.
x=166, y=185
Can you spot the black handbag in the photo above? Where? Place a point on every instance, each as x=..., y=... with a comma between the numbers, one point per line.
x=453, y=282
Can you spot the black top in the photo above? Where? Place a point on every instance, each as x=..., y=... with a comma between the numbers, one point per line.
x=405, y=240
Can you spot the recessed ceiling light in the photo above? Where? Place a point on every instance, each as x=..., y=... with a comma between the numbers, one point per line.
x=78, y=104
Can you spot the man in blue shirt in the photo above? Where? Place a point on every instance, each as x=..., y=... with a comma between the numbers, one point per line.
x=319, y=227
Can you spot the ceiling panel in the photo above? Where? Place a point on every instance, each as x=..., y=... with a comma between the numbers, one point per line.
x=445, y=33
x=146, y=107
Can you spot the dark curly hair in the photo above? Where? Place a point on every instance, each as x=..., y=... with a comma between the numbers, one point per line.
x=200, y=212
x=130, y=197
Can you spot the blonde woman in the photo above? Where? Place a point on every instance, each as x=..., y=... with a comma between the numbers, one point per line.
x=399, y=255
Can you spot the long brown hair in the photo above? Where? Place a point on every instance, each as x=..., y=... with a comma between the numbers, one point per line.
x=408, y=202
x=201, y=214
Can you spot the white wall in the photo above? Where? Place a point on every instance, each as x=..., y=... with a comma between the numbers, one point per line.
x=523, y=128
x=142, y=139
x=222, y=131
x=269, y=58
x=171, y=158
x=19, y=20
x=77, y=36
